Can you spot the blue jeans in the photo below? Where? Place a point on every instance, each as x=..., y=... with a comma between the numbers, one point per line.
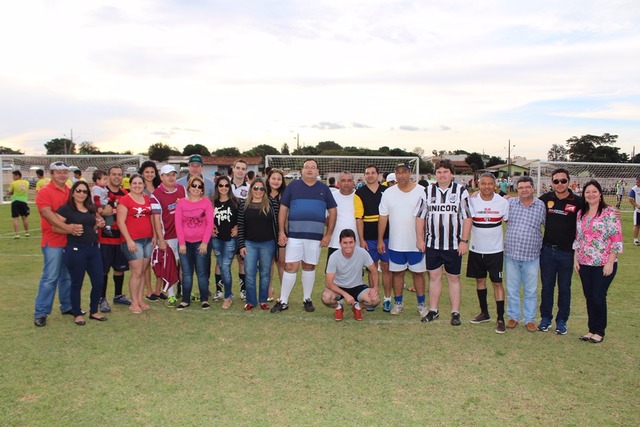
x=190, y=261
x=258, y=260
x=555, y=263
x=523, y=273
x=81, y=258
x=225, y=251
x=54, y=275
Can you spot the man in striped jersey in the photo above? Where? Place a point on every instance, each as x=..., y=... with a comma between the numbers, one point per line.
x=486, y=253
x=443, y=226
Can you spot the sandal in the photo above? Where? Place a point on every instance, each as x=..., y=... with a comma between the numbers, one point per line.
x=135, y=309
x=79, y=321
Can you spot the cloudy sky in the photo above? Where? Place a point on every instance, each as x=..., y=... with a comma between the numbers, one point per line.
x=437, y=74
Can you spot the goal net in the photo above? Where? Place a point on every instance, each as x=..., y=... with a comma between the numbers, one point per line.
x=28, y=165
x=331, y=166
x=615, y=178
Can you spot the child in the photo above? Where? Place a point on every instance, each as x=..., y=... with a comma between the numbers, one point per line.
x=100, y=196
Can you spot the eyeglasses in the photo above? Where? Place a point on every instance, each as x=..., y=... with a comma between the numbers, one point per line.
x=79, y=190
x=198, y=186
x=256, y=188
x=223, y=185
x=560, y=181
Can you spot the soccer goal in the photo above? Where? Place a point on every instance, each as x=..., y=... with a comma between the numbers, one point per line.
x=615, y=178
x=28, y=165
x=331, y=166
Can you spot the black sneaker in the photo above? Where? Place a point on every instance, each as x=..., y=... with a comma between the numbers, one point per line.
x=152, y=297
x=431, y=316
x=480, y=318
x=279, y=306
x=308, y=306
x=455, y=318
x=205, y=305
x=40, y=321
x=163, y=297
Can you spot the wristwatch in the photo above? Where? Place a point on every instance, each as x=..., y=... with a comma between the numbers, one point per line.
x=464, y=241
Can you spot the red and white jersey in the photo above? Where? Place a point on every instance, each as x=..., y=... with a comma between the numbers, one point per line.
x=488, y=215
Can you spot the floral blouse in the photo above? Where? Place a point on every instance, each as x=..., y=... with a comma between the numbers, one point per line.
x=597, y=238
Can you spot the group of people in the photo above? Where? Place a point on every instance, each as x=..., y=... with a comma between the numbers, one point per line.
x=389, y=227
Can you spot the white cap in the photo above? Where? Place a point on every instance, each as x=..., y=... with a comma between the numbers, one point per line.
x=391, y=177
x=167, y=169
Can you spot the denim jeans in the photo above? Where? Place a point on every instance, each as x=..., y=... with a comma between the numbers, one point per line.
x=54, y=275
x=258, y=260
x=523, y=273
x=595, y=286
x=81, y=258
x=191, y=261
x=225, y=251
x=555, y=263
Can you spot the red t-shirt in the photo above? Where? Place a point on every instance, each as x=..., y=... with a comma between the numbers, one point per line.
x=114, y=198
x=53, y=197
x=138, y=219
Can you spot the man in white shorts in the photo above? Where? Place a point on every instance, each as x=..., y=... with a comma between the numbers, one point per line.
x=396, y=209
x=344, y=278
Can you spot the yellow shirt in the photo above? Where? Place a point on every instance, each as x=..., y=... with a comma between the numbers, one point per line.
x=41, y=183
x=125, y=183
x=19, y=190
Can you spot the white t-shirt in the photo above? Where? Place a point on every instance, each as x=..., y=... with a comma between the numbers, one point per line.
x=346, y=217
x=398, y=206
x=635, y=194
x=348, y=271
x=486, y=232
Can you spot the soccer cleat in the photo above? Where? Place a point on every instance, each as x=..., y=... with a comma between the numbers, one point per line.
x=121, y=299
x=218, y=296
x=500, y=327
x=455, y=318
x=243, y=294
x=561, y=327
x=431, y=316
x=422, y=310
x=338, y=315
x=386, y=306
x=308, y=306
x=205, y=305
x=544, y=325
x=171, y=302
x=279, y=306
x=635, y=242
x=397, y=308
x=357, y=313
x=480, y=318
x=104, y=305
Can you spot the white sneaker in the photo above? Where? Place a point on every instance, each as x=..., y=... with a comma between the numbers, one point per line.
x=243, y=295
x=422, y=310
x=397, y=309
x=218, y=296
x=635, y=242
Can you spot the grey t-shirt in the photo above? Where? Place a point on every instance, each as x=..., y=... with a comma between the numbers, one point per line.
x=349, y=270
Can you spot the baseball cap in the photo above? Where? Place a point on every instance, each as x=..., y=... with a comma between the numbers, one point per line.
x=195, y=158
x=167, y=169
x=403, y=165
x=391, y=177
x=58, y=166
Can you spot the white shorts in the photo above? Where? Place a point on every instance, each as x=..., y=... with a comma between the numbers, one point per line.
x=302, y=250
x=173, y=244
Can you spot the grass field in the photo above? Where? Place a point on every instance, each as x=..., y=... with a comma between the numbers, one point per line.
x=294, y=368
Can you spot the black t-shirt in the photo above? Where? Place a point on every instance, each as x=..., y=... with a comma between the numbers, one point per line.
x=225, y=218
x=257, y=225
x=560, y=224
x=88, y=221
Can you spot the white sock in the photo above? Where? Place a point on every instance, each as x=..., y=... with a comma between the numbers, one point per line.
x=356, y=306
x=171, y=291
x=387, y=298
x=338, y=306
x=288, y=281
x=308, y=278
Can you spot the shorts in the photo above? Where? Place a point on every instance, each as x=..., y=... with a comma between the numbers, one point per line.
x=112, y=257
x=451, y=260
x=354, y=292
x=304, y=250
x=478, y=265
x=376, y=256
x=173, y=244
x=143, y=249
x=19, y=208
x=401, y=261
x=636, y=218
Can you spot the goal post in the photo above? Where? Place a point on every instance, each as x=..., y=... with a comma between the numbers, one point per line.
x=331, y=166
x=615, y=178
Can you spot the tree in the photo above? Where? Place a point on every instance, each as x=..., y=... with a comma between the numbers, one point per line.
x=306, y=151
x=494, y=160
x=261, y=150
x=460, y=152
x=285, y=149
x=88, y=148
x=419, y=151
x=635, y=159
x=160, y=152
x=7, y=150
x=60, y=146
x=227, y=152
x=557, y=153
x=195, y=149
x=475, y=161
x=328, y=146
x=593, y=148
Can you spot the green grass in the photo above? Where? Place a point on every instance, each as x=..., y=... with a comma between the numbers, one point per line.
x=234, y=368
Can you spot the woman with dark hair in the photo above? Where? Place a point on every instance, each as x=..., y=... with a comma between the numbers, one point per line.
x=597, y=245
x=82, y=254
x=276, y=185
x=257, y=235
x=225, y=232
x=133, y=216
x=149, y=172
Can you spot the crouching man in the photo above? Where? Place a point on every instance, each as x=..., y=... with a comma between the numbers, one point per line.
x=344, y=278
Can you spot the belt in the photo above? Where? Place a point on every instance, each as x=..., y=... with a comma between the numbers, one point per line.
x=556, y=247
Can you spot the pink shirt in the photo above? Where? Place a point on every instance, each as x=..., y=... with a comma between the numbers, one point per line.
x=597, y=238
x=194, y=221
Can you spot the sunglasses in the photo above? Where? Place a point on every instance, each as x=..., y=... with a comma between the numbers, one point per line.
x=256, y=188
x=560, y=181
x=198, y=186
x=79, y=190
x=223, y=185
